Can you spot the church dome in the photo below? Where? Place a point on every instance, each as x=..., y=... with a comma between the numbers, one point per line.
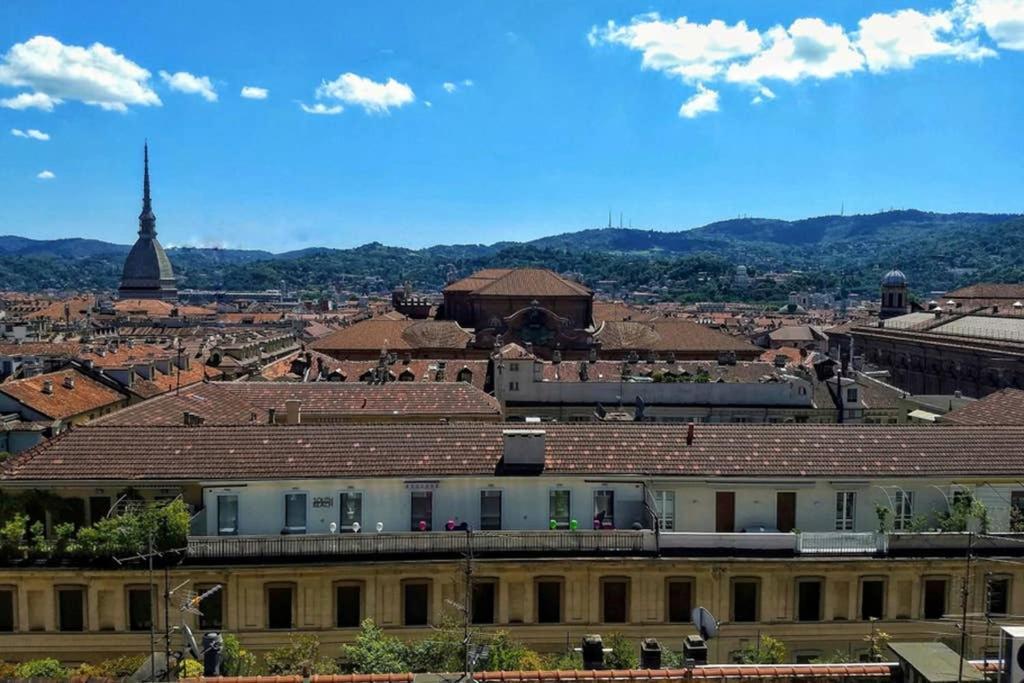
x=894, y=278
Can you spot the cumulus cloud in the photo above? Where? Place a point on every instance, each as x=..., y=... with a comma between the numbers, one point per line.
x=703, y=101
x=810, y=48
x=183, y=81
x=1002, y=20
x=252, y=92
x=321, y=108
x=449, y=87
x=373, y=97
x=31, y=133
x=30, y=100
x=46, y=175
x=54, y=72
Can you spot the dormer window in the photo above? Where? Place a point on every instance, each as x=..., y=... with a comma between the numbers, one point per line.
x=851, y=395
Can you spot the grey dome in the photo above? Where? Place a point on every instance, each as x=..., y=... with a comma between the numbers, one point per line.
x=894, y=278
x=147, y=271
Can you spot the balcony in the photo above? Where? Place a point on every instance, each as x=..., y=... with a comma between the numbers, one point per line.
x=841, y=543
x=421, y=544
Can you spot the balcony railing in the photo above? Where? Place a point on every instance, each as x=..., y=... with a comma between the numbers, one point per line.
x=422, y=543
x=840, y=543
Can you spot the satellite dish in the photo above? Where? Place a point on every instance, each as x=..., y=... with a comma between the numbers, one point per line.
x=705, y=622
x=190, y=642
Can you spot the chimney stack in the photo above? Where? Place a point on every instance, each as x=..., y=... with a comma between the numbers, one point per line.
x=271, y=415
x=69, y=382
x=47, y=386
x=689, y=434
x=293, y=411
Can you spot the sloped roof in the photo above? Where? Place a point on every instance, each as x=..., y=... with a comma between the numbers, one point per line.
x=518, y=282
x=378, y=333
x=1003, y=407
x=668, y=334
x=399, y=450
x=987, y=290
x=86, y=395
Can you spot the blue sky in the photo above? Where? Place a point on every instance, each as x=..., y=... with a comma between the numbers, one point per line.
x=556, y=116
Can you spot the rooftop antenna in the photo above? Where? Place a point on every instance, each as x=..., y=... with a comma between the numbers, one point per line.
x=609, y=218
x=620, y=220
x=842, y=209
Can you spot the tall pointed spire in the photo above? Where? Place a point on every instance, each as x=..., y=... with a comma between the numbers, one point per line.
x=147, y=219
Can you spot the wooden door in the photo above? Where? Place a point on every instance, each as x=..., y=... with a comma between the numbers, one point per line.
x=785, y=511
x=725, y=511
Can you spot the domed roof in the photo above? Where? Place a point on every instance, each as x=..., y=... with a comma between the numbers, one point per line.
x=147, y=270
x=894, y=278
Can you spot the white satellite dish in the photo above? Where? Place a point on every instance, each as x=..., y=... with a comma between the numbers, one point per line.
x=705, y=622
x=190, y=642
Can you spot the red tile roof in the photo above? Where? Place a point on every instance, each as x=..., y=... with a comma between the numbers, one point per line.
x=396, y=335
x=518, y=282
x=63, y=402
x=669, y=334
x=1004, y=407
x=402, y=450
x=234, y=403
x=48, y=349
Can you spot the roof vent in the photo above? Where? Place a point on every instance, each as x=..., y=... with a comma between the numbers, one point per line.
x=524, y=447
x=47, y=386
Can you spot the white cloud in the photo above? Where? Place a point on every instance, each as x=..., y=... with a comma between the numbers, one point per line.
x=46, y=175
x=682, y=48
x=899, y=39
x=30, y=100
x=702, y=102
x=467, y=83
x=30, y=133
x=252, y=92
x=449, y=87
x=321, y=108
x=183, y=81
x=1002, y=20
x=96, y=75
x=811, y=48
x=373, y=97
x=428, y=103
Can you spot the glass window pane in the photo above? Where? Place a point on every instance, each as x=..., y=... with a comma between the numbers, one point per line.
x=483, y=602
x=665, y=502
x=872, y=599
x=558, y=508
x=549, y=602
x=745, y=601
x=615, y=597
x=6, y=610
x=604, y=509
x=351, y=510
x=348, y=606
x=71, y=609
x=417, y=609
x=140, y=609
x=227, y=515
x=211, y=608
x=490, y=510
x=295, y=511
x=422, y=510
x=279, y=607
x=680, y=601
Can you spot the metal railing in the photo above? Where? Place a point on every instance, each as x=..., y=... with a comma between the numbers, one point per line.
x=419, y=543
x=840, y=543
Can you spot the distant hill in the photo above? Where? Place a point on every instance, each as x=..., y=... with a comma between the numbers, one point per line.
x=937, y=251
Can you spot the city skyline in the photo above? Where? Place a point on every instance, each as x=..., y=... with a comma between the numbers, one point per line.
x=419, y=126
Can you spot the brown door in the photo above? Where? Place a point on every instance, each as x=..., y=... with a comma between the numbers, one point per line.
x=785, y=511
x=725, y=511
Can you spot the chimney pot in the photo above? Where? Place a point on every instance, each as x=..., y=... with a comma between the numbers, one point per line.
x=293, y=411
x=689, y=434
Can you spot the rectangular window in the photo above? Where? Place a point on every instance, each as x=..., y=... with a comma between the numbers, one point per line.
x=279, y=606
x=484, y=594
x=746, y=596
x=295, y=513
x=6, y=610
x=851, y=395
x=348, y=605
x=845, y=502
x=680, y=600
x=934, y=598
x=416, y=603
x=422, y=510
x=549, y=602
x=615, y=601
x=604, y=509
x=725, y=511
x=904, y=517
x=998, y=600
x=558, y=508
x=665, y=506
x=808, y=600
x=140, y=609
x=872, y=599
x=785, y=511
x=71, y=609
x=490, y=510
x=211, y=617
x=227, y=515
x=99, y=506
x=351, y=510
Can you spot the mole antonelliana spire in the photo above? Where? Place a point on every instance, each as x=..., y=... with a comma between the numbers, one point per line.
x=147, y=270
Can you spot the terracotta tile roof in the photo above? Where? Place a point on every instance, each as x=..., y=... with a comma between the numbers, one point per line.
x=518, y=282
x=396, y=335
x=154, y=308
x=796, y=333
x=669, y=334
x=987, y=290
x=1004, y=407
x=51, y=349
x=262, y=451
x=161, y=383
x=616, y=310
x=794, y=356
x=611, y=370
x=250, y=318
x=234, y=403
x=420, y=369
x=77, y=309
x=125, y=355
x=64, y=402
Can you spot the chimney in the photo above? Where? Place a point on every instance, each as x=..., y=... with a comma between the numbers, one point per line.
x=69, y=381
x=293, y=411
x=271, y=415
x=689, y=434
x=524, y=447
x=47, y=386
